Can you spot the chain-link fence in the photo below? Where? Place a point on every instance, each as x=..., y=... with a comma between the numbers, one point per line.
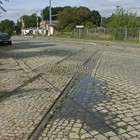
x=122, y=34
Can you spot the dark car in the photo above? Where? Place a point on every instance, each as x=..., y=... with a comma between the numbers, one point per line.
x=5, y=39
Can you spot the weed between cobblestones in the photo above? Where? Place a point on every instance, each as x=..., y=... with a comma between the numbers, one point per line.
x=78, y=110
x=66, y=94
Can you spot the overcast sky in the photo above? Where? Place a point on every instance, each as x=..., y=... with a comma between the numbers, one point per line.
x=17, y=8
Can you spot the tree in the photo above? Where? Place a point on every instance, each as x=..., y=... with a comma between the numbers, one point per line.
x=7, y=26
x=138, y=21
x=120, y=21
x=122, y=18
x=83, y=15
x=96, y=18
x=30, y=21
x=69, y=17
x=55, y=10
x=18, y=27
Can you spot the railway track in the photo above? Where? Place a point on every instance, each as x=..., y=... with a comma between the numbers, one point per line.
x=37, y=131
x=77, y=64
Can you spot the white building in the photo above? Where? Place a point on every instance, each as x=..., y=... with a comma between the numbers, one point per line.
x=32, y=30
x=48, y=29
x=44, y=29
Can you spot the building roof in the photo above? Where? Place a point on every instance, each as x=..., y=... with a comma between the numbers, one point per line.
x=31, y=28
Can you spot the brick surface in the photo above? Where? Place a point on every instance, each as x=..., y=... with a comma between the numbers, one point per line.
x=104, y=103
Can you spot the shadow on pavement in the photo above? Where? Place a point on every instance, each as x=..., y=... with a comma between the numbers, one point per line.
x=38, y=50
x=86, y=103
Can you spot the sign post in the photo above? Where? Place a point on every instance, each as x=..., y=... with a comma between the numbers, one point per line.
x=79, y=27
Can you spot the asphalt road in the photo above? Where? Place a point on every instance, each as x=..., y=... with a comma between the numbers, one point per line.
x=102, y=102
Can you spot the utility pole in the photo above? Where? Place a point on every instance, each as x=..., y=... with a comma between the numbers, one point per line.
x=42, y=15
x=37, y=25
x=22, y=22
x=101, y=21
x=50, y=12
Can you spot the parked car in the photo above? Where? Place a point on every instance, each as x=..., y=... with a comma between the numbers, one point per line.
x=5, y=38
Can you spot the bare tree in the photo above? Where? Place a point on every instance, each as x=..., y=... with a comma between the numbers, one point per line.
x=1, y=2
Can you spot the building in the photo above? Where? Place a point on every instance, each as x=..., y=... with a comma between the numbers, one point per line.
x=44, y=29
x=32, y=31
x=48, y=29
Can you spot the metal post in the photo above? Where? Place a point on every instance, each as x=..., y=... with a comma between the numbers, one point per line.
x=125, y=34
x=139, y=35
x=87, y=32
x=22, y=21
x=101, y=22
x=41, y=13
x=37, y=23
x=50, y=12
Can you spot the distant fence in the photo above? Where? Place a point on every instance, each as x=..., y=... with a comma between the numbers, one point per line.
x=122, y=34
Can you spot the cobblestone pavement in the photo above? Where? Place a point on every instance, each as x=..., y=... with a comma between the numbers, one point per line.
x=104, y=103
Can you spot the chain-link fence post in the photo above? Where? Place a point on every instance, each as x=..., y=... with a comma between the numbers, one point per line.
x=139, y=35
x=126, y=33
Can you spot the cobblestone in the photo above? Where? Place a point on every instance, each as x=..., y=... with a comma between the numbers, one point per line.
x=103, y=104
x=112, y=97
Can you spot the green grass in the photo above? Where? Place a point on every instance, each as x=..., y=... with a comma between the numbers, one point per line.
x=70, y=35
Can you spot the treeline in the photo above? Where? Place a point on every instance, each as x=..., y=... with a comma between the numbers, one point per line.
x=122, y=19
x=69, y=17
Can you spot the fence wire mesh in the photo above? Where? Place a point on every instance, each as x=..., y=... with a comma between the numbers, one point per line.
x=122, y=34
